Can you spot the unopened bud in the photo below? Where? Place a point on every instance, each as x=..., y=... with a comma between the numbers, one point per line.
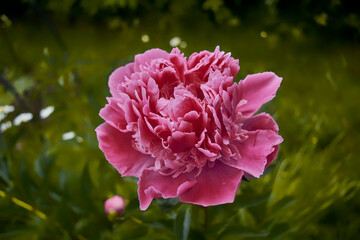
x=115, y=205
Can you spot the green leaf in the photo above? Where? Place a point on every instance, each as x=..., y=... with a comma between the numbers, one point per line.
x=279, y=230
x=63, y=179
x=194, y=234
x=166, y=204
x=24, y=231
x=86, y=182
x=132, y=206
x=214, y=5
x=243, y=232
x=282, y=204
x=161, y=223
x=43, y=164
x=66, y=236
x=23, y=83
x=249, y=202
x=182, y=222
x=6, y=98
x=246, y=217
x=27, y=183
x=4, y=170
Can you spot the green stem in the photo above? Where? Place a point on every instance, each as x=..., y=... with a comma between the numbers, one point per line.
x=206, y=217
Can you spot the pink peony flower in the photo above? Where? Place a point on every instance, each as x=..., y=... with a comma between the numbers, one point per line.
x=185, y=129
x=115, y=205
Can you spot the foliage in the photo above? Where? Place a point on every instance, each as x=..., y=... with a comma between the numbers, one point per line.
x=53, y=187
x=338, y=19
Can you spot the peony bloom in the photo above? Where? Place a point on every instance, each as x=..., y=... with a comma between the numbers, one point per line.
x=115, y=205
x=185, y=129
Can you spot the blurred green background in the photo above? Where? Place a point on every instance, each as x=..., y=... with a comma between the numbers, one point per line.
x=56, y=57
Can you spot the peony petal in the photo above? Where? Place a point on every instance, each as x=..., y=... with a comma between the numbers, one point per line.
x=185, y=126
x=216, y=185
x=119, y=152
x=146, y=58
x=182, y=141
x=258, y=89
x=118, y=76
x=255, y=150
x=179, y=62
x=261, y=121
x=114, y=115
x=153, y=185
x=272, y=156
x=145, y=134
x=180, y=106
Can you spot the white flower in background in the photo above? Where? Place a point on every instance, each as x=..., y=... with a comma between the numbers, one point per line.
x=175, y=41
x=2, y=116
x=183, y=44
x=68, y=135
x=4, y=110
x=145, y=38
x=4, y=126
x=7, y=109
x=45, y=112
x=23, y=117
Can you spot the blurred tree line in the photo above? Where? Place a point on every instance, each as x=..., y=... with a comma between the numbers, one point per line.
x=331, y=19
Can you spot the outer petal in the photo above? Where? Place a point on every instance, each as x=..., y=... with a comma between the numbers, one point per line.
x=179, y=61
x=153, y=185
x=258, y=89
x=118, y=76
x=255, y=150
x=272, y=156
x=215, y=185
x=261, y=121
x=114, y=115
x=119, y=152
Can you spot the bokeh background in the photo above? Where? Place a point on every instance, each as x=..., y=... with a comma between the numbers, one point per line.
x=55, y=59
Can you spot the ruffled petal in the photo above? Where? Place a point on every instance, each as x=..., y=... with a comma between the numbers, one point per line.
x=146, y=58
x=177, y=58
x=261, y=121
x=154, y=185
x=215, y=185
x=120, y=153
x=118, y=76
x=254, y=151
x=114, y=115
x=272, y=156
x=258, y=89
x=182, y=141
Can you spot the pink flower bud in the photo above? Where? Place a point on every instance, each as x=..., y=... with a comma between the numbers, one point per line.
x=115, y=205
